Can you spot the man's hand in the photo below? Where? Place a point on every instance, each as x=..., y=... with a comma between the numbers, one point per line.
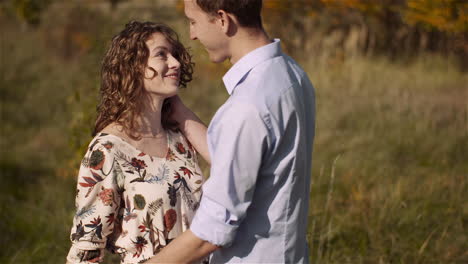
x=186, y=248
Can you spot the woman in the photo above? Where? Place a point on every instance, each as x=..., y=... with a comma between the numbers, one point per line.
x=139, y=183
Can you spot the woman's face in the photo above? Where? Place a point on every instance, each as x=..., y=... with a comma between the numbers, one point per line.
x=164, y=80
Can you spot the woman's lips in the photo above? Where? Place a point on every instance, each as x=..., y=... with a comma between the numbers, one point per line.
x=174, y=76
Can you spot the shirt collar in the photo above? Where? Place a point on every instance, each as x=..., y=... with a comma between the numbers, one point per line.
x=249, y=61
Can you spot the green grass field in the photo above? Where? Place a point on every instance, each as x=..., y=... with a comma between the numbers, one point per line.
x=390, y=169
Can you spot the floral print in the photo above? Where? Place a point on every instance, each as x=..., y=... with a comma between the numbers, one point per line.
x=96, y=160
x=170, y=218
x=138, y=164
x=106, y=196
x=132, y=203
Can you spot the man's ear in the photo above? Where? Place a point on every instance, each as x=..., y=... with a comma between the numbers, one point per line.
x=226, y=21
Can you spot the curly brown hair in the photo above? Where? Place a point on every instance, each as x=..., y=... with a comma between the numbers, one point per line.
x=122, y=73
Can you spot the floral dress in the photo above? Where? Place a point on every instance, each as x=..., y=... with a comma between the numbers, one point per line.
x=131, y=203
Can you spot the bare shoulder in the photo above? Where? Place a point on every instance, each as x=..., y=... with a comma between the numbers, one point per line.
x=114, y=129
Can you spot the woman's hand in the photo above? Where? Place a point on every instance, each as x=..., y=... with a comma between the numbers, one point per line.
x=191, y=126
x=178, y=109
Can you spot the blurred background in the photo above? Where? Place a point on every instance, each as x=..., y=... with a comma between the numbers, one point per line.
x=390, y=165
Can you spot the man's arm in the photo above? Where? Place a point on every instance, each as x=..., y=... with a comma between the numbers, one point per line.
x=186, y=248
x=191, y=126
x=237, y=141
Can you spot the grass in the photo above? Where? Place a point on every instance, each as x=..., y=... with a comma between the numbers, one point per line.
x=390, y=181
x=389, y=166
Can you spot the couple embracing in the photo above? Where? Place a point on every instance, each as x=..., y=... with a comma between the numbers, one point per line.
x=141, y=193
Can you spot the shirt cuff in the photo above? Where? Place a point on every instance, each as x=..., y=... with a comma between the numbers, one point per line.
x=209, y=224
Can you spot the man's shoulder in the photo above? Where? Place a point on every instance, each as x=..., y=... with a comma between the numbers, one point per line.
x=267, y=82
x=276, y=69
x=280, y=73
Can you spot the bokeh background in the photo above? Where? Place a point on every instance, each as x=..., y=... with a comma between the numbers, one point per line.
x=390, y=165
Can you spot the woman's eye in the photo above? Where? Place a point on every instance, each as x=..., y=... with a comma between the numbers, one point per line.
x=160, y=54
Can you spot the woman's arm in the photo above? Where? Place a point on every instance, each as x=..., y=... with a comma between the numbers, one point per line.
x=98, y=201
x=191, y=126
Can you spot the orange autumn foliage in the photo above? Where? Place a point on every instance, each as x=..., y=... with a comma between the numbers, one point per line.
x=435, y=25
x=444, y=15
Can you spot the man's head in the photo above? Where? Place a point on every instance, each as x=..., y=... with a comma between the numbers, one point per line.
x=247, y=12
x=214, y=23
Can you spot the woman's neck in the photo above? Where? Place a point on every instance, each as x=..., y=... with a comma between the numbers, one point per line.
x=150, y=119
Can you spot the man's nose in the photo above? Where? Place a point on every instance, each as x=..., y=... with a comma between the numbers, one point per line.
x=192, y=35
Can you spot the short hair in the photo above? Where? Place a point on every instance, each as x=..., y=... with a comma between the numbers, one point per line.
x=247, y=12
x=122, y=74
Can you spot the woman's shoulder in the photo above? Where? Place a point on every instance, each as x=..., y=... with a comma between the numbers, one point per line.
x=178, y=139
x=110, y=138
x=106, y=147
x=103, y=140
x=181, y=146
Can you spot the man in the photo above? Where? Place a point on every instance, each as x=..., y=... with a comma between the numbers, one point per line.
x=255, y=204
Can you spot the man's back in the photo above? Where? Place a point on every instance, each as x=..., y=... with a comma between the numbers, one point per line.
x=260, y=143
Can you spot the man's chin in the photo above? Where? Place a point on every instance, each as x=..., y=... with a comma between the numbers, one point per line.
x=216, y=58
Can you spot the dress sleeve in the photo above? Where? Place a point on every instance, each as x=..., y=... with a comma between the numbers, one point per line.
x=97, y=201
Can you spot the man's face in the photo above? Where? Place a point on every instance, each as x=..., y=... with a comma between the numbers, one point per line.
x=207, y=30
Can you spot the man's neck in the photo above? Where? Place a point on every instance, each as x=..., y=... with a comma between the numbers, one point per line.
x=247, y=40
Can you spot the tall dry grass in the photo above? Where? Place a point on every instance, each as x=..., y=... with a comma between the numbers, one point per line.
x=390, y=171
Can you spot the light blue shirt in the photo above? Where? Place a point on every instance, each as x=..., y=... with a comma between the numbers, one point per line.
x=255, y=203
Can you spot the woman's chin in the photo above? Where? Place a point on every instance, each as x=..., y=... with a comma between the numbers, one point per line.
x=174, y=92
x=166, y=93
x=171, y=94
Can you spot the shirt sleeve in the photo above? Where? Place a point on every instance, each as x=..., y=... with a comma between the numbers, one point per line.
x=97, y=203
x=237, y=139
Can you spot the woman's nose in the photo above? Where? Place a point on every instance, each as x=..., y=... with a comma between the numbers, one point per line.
x=173, y=62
